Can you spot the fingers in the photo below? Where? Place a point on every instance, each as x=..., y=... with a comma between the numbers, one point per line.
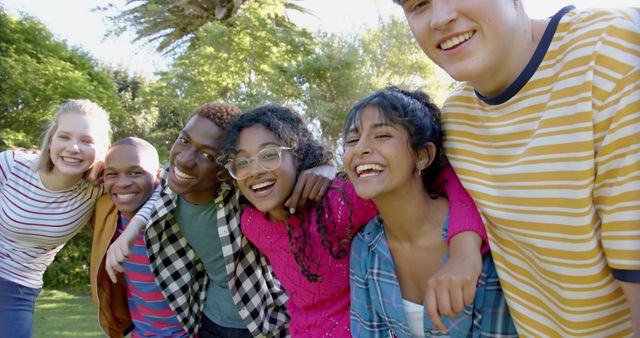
x=116, y=256
x=293, y=200
x=432, y=307
x=469, y=291
x=320, y=189
x=456, y=301
x=308, y=187
x=94, y=174
x=111, y=272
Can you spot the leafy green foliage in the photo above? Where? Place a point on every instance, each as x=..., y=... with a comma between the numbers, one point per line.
x=244, y=61
x=70, y=269
x=344, y=69
x=38, y=72
x=10, y=139
x=175, y=23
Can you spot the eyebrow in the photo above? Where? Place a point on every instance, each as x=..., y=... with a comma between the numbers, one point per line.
x=374, y=126
x=210, y=147
x=262, y=145
x=128, y=168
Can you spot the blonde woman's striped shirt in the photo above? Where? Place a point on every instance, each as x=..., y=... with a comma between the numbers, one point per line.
x=553, y=163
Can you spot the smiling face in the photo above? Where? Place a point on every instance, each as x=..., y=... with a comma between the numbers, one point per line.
x=73, y=147
x=377, y=156
x=266, y=190
x=192, y=163
x=472, y=40
x=129, y=177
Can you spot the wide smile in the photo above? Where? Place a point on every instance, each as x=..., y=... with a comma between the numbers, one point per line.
x=71, y=160
x=263, y=188
x=181, y=176
x=125, y=197
x=456, y=40
x=368, y=170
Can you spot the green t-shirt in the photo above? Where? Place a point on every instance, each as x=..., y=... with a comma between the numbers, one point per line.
x=198, y=224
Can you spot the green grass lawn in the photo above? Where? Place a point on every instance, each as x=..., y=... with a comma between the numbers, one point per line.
x=62, y=314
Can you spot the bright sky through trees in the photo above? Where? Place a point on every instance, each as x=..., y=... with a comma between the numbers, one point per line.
x=74, y=21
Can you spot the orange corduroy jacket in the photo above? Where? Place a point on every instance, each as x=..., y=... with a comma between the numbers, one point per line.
x=110, y=299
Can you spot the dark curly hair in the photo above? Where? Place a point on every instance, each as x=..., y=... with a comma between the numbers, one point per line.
x=220, y=113
x=416, y=113
x=291, y=129
x=288, y=126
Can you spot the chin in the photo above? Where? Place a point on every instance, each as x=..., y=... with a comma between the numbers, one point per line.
x=366, y=194
x=263, y=208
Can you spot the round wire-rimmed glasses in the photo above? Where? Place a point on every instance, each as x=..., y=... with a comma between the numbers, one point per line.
x=267, y=159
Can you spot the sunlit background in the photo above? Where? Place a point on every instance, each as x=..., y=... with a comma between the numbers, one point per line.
x=77, y=22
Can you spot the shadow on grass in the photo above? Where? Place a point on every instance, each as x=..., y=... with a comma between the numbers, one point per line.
x=63, y=314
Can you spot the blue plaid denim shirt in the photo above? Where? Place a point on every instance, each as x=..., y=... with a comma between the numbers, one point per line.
x=376, y=298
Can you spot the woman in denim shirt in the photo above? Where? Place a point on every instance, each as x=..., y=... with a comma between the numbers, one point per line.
x=393, y=151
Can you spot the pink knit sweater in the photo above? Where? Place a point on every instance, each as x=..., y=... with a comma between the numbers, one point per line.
x=317, y=309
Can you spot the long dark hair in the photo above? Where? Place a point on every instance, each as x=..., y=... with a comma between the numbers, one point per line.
x=290, y=128
x=416, y=113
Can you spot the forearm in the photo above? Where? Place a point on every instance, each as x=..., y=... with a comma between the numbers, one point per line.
x=144, y=213
x=463, y=214
x=465, y=244
x=133, y=228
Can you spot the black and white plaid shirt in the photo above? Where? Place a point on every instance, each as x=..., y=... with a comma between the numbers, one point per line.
x=182, y=277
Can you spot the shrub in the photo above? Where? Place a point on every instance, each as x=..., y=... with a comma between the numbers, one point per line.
x=70, y=269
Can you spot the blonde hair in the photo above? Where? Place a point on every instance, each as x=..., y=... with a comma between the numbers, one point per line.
x=82, y=107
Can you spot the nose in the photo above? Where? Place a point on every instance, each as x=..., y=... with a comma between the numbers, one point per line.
x=254, y=168
x=186, y=158
x=123, y=181
x=73, y=147
x=362, y=147
x=442, y=13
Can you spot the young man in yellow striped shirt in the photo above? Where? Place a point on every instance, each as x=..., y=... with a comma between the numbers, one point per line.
x=544, y=133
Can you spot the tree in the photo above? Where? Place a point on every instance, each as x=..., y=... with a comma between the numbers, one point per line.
x=139, y=111
x=247, y=62
x=174, y=23
x=344, y=69
x=250, y=61
x=37, y=73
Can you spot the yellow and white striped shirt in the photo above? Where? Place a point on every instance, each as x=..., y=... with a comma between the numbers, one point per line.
x=553, y=163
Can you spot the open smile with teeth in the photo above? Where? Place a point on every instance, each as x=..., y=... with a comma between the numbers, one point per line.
x=261, y=186
x=126, y=197
x=71, y=159
x=181, y=175
x=456, y=40
x=369, y=169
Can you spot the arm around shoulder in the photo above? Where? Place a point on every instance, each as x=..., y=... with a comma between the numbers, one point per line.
x=463, y=213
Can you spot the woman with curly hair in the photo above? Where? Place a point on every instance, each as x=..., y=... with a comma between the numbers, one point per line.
x=265, y=151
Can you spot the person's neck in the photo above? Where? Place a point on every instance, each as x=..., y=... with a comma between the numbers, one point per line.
x=199, y=198
x=277, y=215
x=407, y=214
x=128, y=215
x=515, y=62
x=56, y=181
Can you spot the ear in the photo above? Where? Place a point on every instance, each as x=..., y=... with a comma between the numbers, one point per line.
x=157, y=180
x=426, y=156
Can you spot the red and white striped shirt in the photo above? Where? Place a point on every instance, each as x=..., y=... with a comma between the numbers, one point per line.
x=36, y=222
